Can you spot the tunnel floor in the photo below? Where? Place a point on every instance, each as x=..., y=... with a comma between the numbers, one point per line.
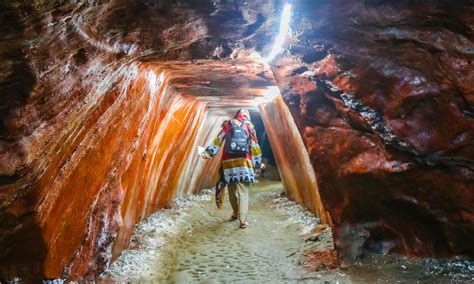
x=193, y=241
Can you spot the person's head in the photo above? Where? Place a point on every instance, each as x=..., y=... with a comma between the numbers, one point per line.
x=242, y=114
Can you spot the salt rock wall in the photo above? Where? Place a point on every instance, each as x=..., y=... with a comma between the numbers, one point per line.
x=116, y=160
x=291, y=156
x=383, y=94
x=96, y=129
x=92, y=135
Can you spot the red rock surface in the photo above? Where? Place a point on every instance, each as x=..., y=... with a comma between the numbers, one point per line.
x=101, y=101
x=98, y=125
x=383, y=93
x=315, y=260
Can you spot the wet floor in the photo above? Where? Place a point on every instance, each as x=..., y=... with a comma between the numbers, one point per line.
x=196, y=242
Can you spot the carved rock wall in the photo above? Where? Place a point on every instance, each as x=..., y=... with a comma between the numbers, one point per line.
x=382, y=92
x=102, y=101
x=93, y=137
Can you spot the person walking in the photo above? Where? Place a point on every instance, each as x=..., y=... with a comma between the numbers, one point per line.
x=240, y=157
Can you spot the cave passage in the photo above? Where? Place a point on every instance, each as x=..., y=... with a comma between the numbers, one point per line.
x=367, y=107
x=195, y=242
x=191, y=240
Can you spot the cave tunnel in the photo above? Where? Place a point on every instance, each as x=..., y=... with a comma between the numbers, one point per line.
x=364, y=112
x=264, y=142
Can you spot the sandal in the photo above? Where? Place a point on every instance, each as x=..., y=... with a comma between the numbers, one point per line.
x=244, y=225
x=233, y=217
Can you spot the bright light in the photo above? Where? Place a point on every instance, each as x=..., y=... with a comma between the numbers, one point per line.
x=284, y=28
x=269, y=94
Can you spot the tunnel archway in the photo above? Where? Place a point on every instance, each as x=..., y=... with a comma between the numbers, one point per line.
x=101, y=130
x=215, y=89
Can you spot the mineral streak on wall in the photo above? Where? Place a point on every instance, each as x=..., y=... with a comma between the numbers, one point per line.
x=157, y=172
x=382, y=94
x=117, y=160
x=121, y=154
x=204, y=172
x=290, y=154
x=92, y=139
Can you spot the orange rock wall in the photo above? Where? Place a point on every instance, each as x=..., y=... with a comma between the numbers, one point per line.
x=291, y=156
x=93, y=139
x=116, y=163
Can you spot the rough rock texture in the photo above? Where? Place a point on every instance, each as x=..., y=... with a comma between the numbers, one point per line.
x=93, y=135
x=383, y=93
x=100, y=103
x=294, y=165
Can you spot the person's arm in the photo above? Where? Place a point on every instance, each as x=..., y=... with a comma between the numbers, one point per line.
x=217, y=142
x=255, y=150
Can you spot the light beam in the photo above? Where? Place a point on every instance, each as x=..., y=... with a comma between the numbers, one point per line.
x=284, y=28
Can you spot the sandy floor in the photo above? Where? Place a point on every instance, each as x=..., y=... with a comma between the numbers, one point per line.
x=217, y=249
x=199, y=243
x=195, y=242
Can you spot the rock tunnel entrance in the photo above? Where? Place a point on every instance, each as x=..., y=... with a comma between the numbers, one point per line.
x=104, y=102
x=219, y=89
x=192, y=99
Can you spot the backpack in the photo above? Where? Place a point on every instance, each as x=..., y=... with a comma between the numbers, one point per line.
x=237, y=140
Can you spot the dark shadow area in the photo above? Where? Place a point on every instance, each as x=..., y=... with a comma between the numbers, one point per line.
x=252, y=28
x=16, y=77
x=22, y=250
x=263, y=140
x=269, y=171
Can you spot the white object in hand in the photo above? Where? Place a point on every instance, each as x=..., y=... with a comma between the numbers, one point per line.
x=201, y=151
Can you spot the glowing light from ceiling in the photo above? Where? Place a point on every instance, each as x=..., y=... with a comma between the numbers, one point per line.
x=284, y=28
x=269, y=94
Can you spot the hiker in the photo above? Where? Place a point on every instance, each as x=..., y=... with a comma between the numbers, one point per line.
x=241, y=154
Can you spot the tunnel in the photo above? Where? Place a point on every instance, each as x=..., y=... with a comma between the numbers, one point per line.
x=363, y=109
